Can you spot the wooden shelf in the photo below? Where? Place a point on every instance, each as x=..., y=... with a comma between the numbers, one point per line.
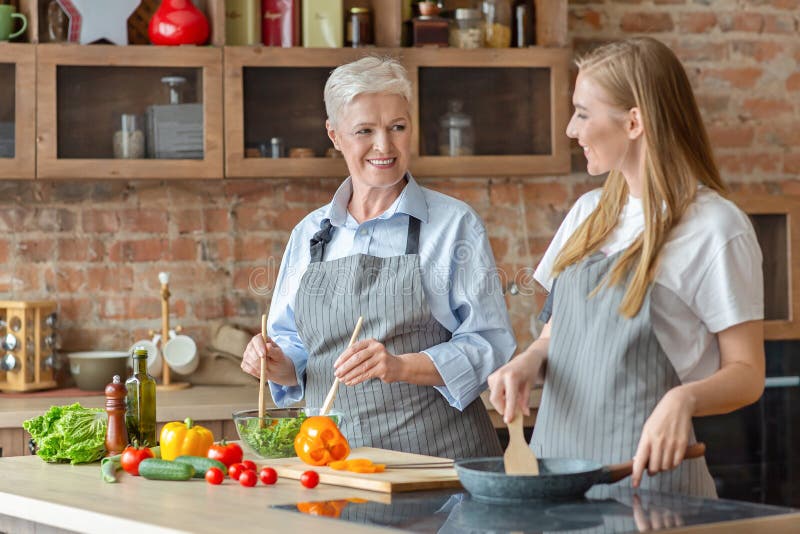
x=776, y=220
x=18, y=105
x=267, y=90
x=68, y=75
x=518, y=99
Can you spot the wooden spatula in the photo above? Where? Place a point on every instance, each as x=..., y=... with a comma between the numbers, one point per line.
x=519, y=458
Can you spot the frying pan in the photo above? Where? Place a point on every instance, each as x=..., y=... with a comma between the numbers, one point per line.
x=559, y=478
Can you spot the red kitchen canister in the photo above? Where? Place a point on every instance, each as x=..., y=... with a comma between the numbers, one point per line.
x=280, y=22
x=178, y=22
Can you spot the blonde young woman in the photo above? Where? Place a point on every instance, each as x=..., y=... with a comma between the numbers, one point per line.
x=656, y=303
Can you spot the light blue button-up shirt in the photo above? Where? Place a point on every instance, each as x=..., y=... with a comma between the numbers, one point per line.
x=459, y=280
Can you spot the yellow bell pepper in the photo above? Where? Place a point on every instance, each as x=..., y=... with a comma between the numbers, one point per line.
x=179, y=438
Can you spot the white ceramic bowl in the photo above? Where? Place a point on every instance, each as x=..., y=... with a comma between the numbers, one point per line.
x=93, y=370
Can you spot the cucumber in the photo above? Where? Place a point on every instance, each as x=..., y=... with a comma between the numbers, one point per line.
x=155, y=469
x=201, y=464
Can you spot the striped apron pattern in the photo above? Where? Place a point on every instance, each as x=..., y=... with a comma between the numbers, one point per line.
x=605, y=375
x=388, y=293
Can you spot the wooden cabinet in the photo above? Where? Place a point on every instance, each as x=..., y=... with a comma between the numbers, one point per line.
x=70, y=98
x=776, y=220
x=83, y=90
x=516, y=98
x=17, y=111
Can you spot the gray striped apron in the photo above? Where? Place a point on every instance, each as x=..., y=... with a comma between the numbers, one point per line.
x=605, y=375
x=388, y=293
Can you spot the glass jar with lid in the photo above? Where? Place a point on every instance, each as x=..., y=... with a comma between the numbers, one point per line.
x=456, y=134
x=497, y=14
x=466, y=31
x=359, y=27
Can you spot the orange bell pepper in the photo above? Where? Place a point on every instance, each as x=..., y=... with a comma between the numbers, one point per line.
x=358, y=465
x=320, y=442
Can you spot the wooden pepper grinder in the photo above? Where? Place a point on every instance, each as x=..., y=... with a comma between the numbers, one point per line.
x=116, y=433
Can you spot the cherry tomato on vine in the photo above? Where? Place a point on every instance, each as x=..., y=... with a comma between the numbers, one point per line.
x=248, y=478
x=214, y=475
x=309, y=479
x=268, y=476
x=132, y=456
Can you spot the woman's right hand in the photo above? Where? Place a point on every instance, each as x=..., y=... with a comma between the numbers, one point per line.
x=511, y=384
x=279, y=368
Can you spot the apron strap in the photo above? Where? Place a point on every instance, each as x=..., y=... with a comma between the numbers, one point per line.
x=324, y=235
x=412, y=241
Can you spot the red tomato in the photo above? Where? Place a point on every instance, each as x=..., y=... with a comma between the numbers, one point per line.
x=132, y=456
x=248, y=478
x=227, y=453
x=268, y=476
x=249, y=464
x=235, y=470
x=214, y=475
x=309, y=479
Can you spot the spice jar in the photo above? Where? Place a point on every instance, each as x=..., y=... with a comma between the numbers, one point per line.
x=466, y=31
x=456, y=135
x=129, y=139
x=498, y=23
x=359, y=27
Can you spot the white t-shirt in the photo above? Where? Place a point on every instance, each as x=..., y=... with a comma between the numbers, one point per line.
x=709, y=277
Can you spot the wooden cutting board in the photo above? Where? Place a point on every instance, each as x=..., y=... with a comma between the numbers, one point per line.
x=390, y=481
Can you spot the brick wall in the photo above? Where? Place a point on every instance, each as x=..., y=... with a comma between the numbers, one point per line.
x=97, y=247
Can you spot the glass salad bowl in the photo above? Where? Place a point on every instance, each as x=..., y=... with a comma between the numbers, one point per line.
x=275, y=437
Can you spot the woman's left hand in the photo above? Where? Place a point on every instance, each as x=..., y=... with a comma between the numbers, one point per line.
x=364, y=360
x=665, y=435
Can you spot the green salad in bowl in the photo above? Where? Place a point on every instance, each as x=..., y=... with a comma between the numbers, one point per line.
x=274, y=438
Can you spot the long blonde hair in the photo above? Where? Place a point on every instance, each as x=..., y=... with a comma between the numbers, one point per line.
x=643, y=73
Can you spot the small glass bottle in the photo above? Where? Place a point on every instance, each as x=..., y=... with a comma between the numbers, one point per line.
x=456, y=135
x=140, y=413
x=129, y=139
x=498, y=23
x=359, y=27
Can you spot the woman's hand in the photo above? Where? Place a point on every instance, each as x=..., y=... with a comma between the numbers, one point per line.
x=665, y=435
x=367, y=359
x=280, y=369
x=511, y=385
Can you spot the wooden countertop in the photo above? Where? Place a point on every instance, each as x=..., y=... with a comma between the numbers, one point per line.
x=33, y=491
x=201, y=403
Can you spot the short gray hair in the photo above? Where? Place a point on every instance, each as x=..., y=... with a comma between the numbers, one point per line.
x=367, y=75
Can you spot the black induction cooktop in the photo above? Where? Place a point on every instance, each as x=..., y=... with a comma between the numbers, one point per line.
x=614, y=510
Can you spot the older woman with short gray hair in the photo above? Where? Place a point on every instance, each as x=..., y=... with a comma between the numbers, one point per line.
x=414, y=263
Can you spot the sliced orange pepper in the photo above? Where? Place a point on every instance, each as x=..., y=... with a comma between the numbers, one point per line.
x=357, y=465
x=339, y=465
x=319, y=441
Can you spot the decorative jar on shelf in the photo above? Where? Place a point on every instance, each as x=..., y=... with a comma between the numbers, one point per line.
x=497, y=14
x=456, y=134
x=178, y=22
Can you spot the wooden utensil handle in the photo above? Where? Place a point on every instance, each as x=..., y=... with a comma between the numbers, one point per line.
x=326, y=406
x=617, y=472
x=263, y=375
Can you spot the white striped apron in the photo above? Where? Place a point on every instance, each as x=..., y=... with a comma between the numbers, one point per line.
x=605, y=375
x=388, y=293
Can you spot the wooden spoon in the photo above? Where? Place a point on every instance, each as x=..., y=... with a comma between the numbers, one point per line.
x=263, y=376
x=326, y=406
x=519, y=458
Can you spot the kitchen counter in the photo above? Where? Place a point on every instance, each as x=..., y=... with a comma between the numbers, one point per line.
x=75, y=498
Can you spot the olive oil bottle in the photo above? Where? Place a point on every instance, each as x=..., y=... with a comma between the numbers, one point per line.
x=140, y=409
